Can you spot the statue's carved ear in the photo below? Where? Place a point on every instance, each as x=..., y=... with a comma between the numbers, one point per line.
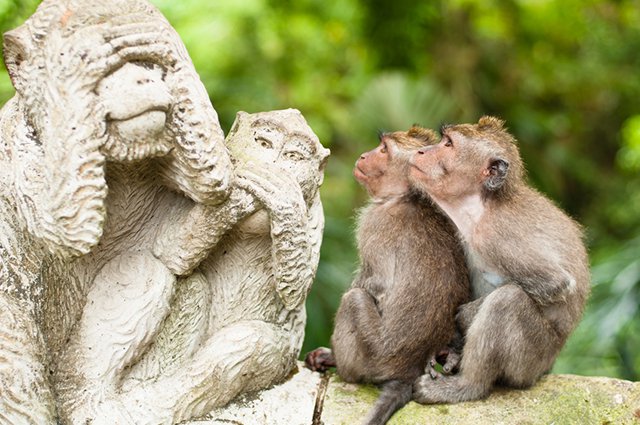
x=324, y=158
x=16, y=49
x=240, y=116
x=490, y=123
x=496, y=174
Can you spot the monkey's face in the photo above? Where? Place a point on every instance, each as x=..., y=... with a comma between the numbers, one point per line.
x=450, y=169
x=136, y=101
x=470, y=159
x=381, y=170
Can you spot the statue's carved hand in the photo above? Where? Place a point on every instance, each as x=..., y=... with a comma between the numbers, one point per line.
x=282, y=196
x=274, y=188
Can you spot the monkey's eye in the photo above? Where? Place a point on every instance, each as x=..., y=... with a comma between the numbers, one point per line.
x=265, y=143
x=383, y=149
x=448, y=142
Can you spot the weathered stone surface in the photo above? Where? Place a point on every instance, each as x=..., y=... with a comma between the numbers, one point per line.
x=291, y=403
x=556, y=399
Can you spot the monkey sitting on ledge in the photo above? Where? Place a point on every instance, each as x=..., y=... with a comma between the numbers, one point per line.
x=400, y=309
x=528, y=264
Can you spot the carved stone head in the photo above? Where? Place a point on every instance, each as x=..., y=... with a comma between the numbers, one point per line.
x=282, y=138
x=101, y=81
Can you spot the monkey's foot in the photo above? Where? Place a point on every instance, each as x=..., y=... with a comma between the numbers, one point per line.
x=426, y=389
x=320, y=359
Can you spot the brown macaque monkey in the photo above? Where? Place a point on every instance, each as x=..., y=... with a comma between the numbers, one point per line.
x=528, y=264
x=400, y=310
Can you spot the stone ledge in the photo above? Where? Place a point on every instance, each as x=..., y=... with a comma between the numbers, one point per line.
x=291, y=403
x=556, y=399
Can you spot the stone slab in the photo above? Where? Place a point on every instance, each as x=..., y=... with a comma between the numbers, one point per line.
x=291, y=403
x=556, y=399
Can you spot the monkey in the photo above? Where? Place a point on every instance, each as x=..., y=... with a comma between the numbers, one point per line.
x=400, y=309
x=527, y=260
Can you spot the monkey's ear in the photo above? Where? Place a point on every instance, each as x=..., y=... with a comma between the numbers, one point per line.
x=16, y=48
x=496, y=174
x=490, y=123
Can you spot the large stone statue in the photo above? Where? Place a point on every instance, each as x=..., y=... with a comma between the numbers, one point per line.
x=148, y=272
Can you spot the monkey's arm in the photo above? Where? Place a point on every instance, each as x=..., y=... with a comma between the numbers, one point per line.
x=358, y=309
x=184, y=241
x=547, y=286
x=466, y=313
x=292, y=254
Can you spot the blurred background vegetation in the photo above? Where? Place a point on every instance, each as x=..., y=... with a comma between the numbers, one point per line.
x=565, y=74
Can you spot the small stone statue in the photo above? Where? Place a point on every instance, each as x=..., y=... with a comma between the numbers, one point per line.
x=148, y=272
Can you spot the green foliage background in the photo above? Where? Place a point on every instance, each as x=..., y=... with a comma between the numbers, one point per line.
x=565, y=74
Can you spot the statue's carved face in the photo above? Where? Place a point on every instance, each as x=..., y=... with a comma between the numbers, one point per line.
x=112, y=74
x=282, y=139
x=100, y=81
x=136, y=100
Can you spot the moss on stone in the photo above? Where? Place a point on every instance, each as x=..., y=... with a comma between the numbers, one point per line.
x=556, y=399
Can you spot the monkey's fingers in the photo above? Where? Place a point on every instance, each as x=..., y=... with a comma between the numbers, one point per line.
x=160, y=53
x=320, y=359
x=431, y=368
x=450, y=366
x=270, y=178
x=269, y=194
x=137, y=39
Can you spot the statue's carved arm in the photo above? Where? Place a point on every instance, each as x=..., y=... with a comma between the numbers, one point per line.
x=184, y=241
x=282, y=196
x=59, y=170
x=199, y=165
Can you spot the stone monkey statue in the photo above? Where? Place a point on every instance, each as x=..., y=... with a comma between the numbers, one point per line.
x=109, y=126
x=110, y=141
x=279, y=163
x=528, y=264
x=400, y=310
x=247, y=281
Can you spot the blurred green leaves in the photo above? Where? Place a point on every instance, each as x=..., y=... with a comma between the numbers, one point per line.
x=629, y=154
x=396, y=100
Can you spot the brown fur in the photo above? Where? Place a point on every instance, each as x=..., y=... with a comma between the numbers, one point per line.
x=527, y=260
x=401, y=307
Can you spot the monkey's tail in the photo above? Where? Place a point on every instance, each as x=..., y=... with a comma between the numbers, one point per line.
x=394, y=395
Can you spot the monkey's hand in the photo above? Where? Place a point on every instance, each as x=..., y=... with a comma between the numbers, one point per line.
x=551, y=286
x=449, y=357
x=282, y=196
x=320, y=360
